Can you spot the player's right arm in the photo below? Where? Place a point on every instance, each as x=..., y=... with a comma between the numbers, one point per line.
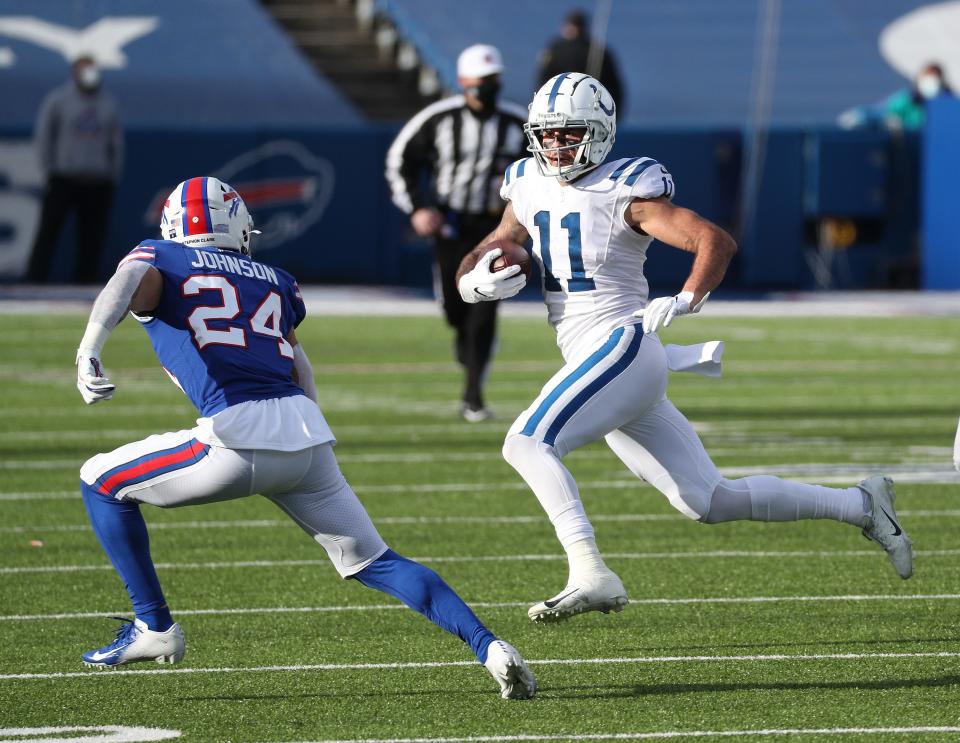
x=508, y=229
x=476, y=281
x=135, y=287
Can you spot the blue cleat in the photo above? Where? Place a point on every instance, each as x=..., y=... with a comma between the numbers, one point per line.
x=136, y=642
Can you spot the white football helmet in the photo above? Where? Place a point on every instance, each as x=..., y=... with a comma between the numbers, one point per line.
x=572, y=100
x=205, y=212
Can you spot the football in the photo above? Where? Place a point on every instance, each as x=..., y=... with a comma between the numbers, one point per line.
x=513, y=255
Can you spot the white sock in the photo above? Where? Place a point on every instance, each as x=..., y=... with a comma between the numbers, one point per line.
x=767, y=498
x=553, y=485
x=584, y=560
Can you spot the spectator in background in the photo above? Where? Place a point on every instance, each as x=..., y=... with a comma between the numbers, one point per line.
x=79, y=141
x=904, y=110
x=570, y=52
x=445, y=169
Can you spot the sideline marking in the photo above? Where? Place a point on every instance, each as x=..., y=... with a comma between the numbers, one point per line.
x=117, y=672
x=494, y=605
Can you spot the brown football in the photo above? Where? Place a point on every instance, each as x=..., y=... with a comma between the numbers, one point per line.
x=513, y=255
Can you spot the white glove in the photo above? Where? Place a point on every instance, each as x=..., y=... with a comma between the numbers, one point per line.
x=91, y=379
x=483, y=285
x=662, y=310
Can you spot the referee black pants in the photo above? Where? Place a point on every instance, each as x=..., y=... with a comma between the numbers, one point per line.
x=475, y=325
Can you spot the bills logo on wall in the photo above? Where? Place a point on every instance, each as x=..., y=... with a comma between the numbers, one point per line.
x=284, y=204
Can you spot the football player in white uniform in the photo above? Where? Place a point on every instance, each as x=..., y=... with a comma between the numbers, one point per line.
x=956, y=449
x=591, y=223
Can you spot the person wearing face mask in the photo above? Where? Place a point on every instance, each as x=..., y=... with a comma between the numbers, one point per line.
x=905, y=109
x=574, y=49
x=79, y=142
x=444, y=169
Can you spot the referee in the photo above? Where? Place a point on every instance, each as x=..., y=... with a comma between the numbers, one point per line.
x=445, y=169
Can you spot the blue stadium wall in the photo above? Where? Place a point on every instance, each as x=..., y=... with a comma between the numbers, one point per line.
x=320, y=198
x=311, y=168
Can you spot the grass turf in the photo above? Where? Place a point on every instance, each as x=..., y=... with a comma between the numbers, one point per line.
x=803, y=395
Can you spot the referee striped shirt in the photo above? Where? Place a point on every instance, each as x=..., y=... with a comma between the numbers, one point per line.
x=465, y=153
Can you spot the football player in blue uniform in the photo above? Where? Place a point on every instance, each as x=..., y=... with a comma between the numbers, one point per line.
x=222, y=326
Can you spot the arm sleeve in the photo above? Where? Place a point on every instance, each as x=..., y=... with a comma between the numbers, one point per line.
x=111, y=305
x=304, y=372
x=409, y=155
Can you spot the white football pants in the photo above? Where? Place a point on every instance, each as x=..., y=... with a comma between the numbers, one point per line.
x=617, y=391
x=956, y=449
x=175, y=469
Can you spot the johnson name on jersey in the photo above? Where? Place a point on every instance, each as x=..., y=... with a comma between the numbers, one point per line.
x=591, y=260
x=220, y=328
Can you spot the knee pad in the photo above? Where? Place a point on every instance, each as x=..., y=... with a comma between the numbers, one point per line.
x=518, y=449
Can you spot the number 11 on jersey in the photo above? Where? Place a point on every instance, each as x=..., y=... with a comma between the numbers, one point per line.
x=578, y=281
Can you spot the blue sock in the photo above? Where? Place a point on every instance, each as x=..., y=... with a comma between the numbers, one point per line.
x=122, y=532
x=425, y=592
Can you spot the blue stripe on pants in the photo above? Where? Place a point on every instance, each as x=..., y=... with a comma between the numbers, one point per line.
x=589, y=391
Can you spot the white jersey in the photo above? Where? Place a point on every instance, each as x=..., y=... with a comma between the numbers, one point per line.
x=590, y=259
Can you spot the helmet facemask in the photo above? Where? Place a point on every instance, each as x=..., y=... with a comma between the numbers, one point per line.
x=571, y=100
x=584, y=151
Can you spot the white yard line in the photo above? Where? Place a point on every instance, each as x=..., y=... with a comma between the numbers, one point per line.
x=659, y=735
x=719, y=600
x=771, y=658
x=413, y=520
x=409, y=520
x=745, y=554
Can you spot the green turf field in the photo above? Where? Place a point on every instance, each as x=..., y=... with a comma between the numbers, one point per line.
x=740, y=629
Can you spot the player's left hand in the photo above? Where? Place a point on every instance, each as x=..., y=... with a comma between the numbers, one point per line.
x=662, y=310
x=92, y=381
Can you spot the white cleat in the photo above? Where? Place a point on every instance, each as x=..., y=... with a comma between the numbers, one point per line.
x=884, y=527
x=603, y=592
x=510, y=670
x=475, y=415
x=136, y=642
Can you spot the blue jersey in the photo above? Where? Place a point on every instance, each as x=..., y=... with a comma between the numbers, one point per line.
x=220, y=328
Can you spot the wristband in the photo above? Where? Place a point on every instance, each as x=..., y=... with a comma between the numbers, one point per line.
x=93, y=339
